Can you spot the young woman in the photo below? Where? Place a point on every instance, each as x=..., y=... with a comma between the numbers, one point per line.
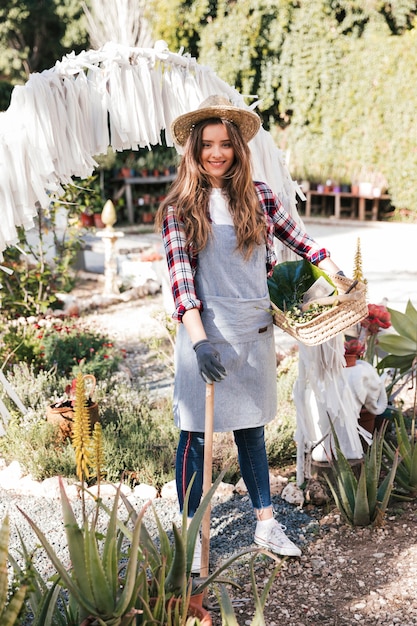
x=218, y=229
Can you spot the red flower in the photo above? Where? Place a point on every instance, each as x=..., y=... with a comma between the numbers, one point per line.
x=378, y=317
x=354, y=346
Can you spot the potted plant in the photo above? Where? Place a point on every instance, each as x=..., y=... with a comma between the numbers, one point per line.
x=111, y=585
x=62, y=411
x=354, y=350
x=87, y=217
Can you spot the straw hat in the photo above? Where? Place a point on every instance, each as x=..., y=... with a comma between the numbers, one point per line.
x=216, y=106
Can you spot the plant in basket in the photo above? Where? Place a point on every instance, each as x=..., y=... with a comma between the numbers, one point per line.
x=311, y=305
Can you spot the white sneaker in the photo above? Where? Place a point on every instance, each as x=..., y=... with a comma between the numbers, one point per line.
x=270, y=534
x=196, y=564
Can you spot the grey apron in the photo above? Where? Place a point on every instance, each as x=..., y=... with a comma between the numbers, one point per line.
x=238, y=323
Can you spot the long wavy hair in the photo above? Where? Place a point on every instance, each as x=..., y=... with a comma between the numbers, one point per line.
x=189, y=193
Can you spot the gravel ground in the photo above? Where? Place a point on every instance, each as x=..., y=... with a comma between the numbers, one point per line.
x=346, y=575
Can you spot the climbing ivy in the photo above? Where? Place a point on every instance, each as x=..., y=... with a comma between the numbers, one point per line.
x=336, y=78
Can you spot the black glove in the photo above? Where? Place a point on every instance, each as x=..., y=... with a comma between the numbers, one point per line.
x=208, y=360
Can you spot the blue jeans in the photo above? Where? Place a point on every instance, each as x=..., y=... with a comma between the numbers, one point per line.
x=253, y=464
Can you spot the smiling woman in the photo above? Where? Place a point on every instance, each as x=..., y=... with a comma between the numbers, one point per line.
x=218, y=227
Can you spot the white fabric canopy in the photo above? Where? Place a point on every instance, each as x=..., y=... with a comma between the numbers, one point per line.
x=116, y=96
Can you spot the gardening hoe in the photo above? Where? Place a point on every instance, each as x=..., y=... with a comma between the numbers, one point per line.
x=207, y=478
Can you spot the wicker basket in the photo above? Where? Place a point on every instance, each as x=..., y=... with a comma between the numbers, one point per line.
x=351, y=310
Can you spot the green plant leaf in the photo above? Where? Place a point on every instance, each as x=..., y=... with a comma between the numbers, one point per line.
x=9, y=615
x=260, y=601
x=385, y=490
x=4, y=545
x=290, y=280
x=82, y=595
x=132, y=580
x=372, y=473
x=406, y=474
x=76, y=546
x=226, y=608
x=411, y=312
x=396, y=344
x=176, y=577
x=102, y=592
x=361, y=514
x=405, y=323
x=401, y=363
x=48, y=613
x=346, y=481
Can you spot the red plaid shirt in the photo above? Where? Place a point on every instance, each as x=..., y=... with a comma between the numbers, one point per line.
x=182, y=263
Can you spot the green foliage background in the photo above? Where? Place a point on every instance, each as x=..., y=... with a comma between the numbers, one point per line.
x=336, y=78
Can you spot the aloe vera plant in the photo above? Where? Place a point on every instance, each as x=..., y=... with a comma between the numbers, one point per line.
x=93, y=579
x=169, y=564
x=226, y=607
x=10, y=603
x=362, y=501
x=406, y=476
x=48, y=604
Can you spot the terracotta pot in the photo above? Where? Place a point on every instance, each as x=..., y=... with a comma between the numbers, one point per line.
x=367, y=420
x=98, y=222
x=87, y=220
x=351, y=359
x=64, y=417
x=125, y=172
x=147, y=218
x=195, y=609
x=63, y=413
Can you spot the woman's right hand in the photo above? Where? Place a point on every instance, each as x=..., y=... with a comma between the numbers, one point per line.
x=209, y=365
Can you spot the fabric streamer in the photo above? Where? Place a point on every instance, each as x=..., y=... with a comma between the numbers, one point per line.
x=59, y=120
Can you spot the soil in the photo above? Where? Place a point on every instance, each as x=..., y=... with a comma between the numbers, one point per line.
x=346, y=575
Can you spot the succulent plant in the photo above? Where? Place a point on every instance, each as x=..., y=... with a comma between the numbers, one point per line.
x=406, y=476
x=226, y=607
x=362, y=501
x=11, y=602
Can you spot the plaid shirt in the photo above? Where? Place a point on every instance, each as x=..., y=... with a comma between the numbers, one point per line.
x=182, y=263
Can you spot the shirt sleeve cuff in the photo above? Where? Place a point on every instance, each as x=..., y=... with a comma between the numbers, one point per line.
x=319, y=255
x=183, y=308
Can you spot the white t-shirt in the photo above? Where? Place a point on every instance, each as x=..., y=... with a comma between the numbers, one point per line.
x=218, y=207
